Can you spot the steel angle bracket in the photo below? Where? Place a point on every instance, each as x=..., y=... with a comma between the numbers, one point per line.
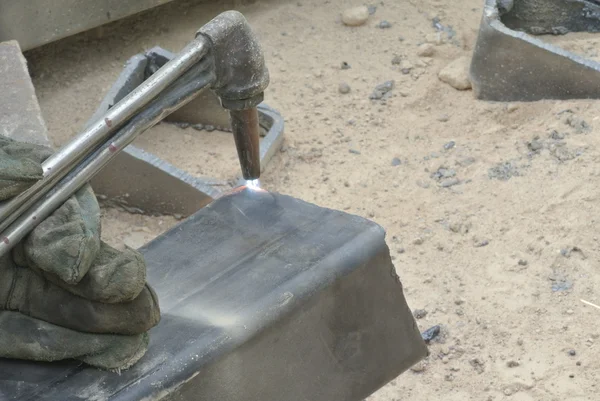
x=509, y=64
x=263, y=298
x=153, y=186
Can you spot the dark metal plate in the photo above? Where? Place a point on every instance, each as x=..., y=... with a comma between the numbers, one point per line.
x=264, y=297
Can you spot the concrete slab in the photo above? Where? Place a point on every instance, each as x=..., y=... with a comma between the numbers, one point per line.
x=20, y=114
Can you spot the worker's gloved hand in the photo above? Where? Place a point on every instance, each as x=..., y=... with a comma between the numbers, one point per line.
x=63, y=292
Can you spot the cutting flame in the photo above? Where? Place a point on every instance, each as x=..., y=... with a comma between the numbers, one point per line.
x=253, y=184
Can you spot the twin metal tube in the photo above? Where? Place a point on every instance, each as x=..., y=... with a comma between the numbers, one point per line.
x=178, y=82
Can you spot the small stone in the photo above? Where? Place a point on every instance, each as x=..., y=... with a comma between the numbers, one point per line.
x=401, y=250
x=449, y=145
x=372, y=9
x=419, y=367
x=481, y=244
x=535, y=145
x=558, y=136
x=512, y=107
x=182, y=125
x=522, y=262
x=344, y=88
x=512, y=364
x=406, y=70
x=570, y=311
x=419, y=313
x=354, y=151
x=418, y=241
x=198, y=127
x=397, y=60
x=355, y=16
x=345, y=66
x=384, y=25
x=450, y=182
x=426, y=50
x=449, y=377
x=396, y=161
x=571, y=375
x=456, y=74
x=459, y=301
x=508, y=391
x=444, y=118
x=431, y=333
x=209, y=128
x=572, y=352
x=382, y=90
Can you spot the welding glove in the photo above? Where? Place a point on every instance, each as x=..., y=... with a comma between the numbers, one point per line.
x=63, y=292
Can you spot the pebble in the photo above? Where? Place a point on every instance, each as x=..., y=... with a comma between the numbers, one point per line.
x=384, y=25
x=426, y=50
x=572, y=352
x=419, y=313
x=397, y=60
x=182, y=125
x=372, y=9
x=401, y=250
x=354, y=151
x=535, y=145
x=355, y=16
x=456, y=74
x=449, y=145
x=209, y=128
x=418, y=241
x=382, y=90
x=345, y=66
x=344, y=88
x=198, y=127
x=512, y=364
x=419, y=367
x=396, y=161
x=443, y=118
x=482, y=243
x=523, y=262
x=431, y=333
x=512, y=107
x=450, y=182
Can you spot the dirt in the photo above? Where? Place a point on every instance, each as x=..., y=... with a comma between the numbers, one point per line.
x=490, y=208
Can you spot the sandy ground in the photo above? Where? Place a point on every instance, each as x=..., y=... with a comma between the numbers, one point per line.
x=500, y=258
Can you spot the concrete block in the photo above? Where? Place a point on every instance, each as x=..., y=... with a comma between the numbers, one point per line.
x=20, y=114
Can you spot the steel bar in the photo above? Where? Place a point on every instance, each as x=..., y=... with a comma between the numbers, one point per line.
x=180, y=93
x=58, y=165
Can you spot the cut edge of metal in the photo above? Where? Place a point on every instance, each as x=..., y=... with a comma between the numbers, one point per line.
x=491, y=20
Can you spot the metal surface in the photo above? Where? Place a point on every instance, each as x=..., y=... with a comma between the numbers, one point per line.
x=509, y=65
x=181, y=92
x=263, y=297
x=59, y=164
x=36, y=22
x=245, y=128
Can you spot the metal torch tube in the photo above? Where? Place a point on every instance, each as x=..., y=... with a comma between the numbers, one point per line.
x=182, y=92
x=246, y=132
x=59, y=164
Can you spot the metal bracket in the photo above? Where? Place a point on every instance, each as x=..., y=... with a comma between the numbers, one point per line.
x=510, y=65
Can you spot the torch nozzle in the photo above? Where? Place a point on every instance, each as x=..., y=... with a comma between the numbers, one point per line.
x=246, y=132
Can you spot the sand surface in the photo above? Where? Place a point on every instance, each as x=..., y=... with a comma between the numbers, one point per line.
x=491, y=209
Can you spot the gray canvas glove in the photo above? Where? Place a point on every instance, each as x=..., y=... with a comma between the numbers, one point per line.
x=63, y=292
